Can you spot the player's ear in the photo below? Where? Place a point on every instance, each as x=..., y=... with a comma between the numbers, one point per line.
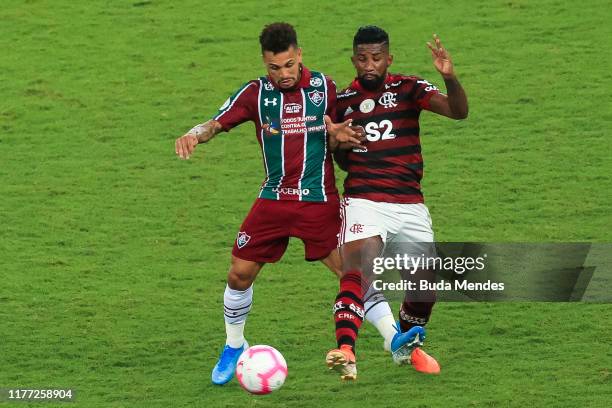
x=390, y=59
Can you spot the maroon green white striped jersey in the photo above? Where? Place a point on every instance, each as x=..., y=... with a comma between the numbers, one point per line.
x=291, y=132
x=389, y=166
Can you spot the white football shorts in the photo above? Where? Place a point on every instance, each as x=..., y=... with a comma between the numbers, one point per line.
x=396, y=224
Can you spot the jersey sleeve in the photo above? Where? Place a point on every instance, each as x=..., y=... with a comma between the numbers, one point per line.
x=238, y=108
x=331, y=98
x=423, y=91
x=342, y=105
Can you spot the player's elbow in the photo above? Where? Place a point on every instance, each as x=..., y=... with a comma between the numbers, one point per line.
x=460, y=114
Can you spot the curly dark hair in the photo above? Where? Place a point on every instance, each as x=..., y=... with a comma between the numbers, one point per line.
x=277, y=37
x=370, y=35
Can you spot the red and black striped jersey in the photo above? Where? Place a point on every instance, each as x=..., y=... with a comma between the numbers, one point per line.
x=389, y=166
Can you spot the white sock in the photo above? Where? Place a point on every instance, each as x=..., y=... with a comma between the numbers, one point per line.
x=236, y=308
x=235, y=334
x=385, y=326
x=378, y=312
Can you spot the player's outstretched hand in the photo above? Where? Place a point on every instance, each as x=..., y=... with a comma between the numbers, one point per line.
x=344, y=132
x=185, y=145
x=441, y=58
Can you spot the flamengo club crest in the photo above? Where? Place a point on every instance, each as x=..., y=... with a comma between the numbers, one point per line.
x=243, y=239
x=388, y=100
x=356, y=228
x=316, y=97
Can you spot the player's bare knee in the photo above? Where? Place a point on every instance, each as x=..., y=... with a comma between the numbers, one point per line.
x=334, y=263
x=359, y=255
x=238, y=280
x=242, y=274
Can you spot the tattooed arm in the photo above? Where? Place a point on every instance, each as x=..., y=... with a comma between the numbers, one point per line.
x=202, y=133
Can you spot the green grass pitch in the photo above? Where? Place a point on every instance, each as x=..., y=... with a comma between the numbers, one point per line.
x=113, y=253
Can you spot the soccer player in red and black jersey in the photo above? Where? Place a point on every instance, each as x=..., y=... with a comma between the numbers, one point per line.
x=383, y=208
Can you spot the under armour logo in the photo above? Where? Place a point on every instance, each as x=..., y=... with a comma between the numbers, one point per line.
x=270, y=102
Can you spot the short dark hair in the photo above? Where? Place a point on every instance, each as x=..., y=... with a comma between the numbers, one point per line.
x=277, y=37
x=370, y=35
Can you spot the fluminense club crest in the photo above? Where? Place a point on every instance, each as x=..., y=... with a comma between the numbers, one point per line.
x=316, y=97
x=243, y=239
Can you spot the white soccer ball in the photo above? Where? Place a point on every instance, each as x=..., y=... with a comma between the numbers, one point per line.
x=261, y=369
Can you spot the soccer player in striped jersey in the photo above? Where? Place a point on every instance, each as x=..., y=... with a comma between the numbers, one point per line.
x=298, y=197
x=383, y=209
